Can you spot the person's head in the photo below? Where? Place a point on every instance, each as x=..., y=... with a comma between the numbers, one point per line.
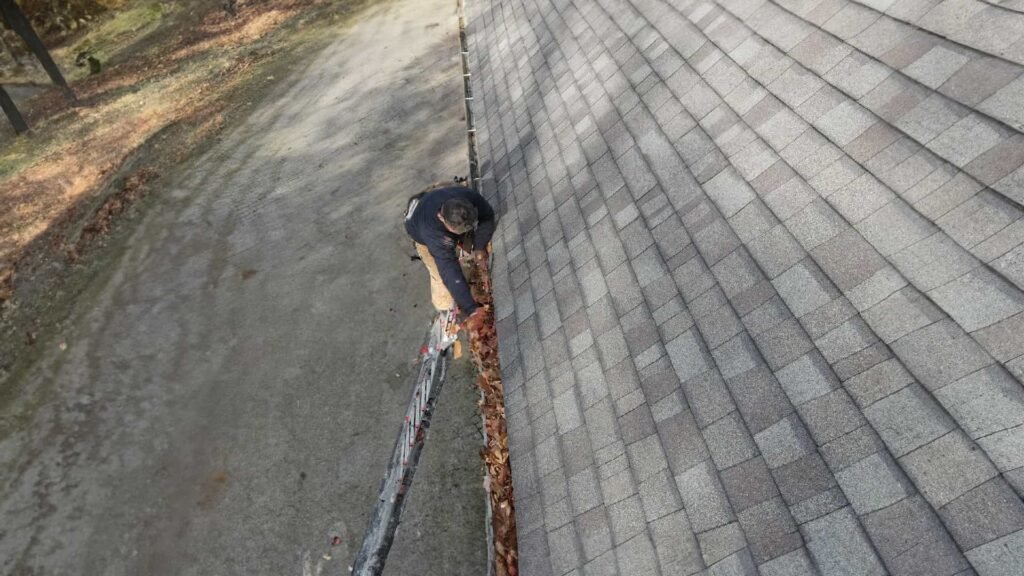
x=458, y=215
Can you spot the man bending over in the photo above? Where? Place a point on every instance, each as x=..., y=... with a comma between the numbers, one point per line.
x=439, y=220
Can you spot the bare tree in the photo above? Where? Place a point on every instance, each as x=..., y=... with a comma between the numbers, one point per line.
x=15, y=18
x=20, y=126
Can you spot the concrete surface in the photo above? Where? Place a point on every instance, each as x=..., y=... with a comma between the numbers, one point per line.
x=229, y=396
x=760, y=282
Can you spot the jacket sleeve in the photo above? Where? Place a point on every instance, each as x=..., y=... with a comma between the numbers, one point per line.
x=454, y=280
x=485, y=222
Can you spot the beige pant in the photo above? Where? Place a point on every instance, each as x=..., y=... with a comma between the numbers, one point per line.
x=439, y=295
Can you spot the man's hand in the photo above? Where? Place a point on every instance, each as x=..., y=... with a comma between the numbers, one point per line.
x=481, y=256
x=476, y=320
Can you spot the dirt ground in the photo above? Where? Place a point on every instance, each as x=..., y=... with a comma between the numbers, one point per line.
x=174, y=75
x=224, y=394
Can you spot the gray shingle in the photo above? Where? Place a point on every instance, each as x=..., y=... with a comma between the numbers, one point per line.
x=934, y=261
x=748, y=484
x=683, y=444
x=979, y=299
x=785, y=442
x=936, y=66
x=612, y=347
x=839, y=546
x=984, y=514
x=978, y=217
x=600, y=421
x=1005, y=104
x=624, y=289
x=947, y=467
x=831, y=416
x=985, y=402
x=845, y=122
x=873, y=483
x=979, y=79
x=591, y=383
x=852, y=447
x=619, y=380
x=759, y=398
x=678, y=552
x=876, y=288
x=688, y=356
x=848, y=259
x=716, y=241
x=999, y=557
x=940, y=353
x=603, y=565
x=838, y=172
x=729, y=191
x=637, y=424
x=738, y=564
x=649, y=267
x=736, y=273
x=708, y=397
x=815, y=507
x=719, y=543
x=594, y=533
x=901, y=313
x=908, y=419
x=561, y=110
x=752, y=221
x=1006, y=449
x=804, y=288
x=729, y=442
x=736, y=356
x=567, y=411
x=783, y=344
x=909, y=537
x=668, y=406
x=703, y=497
x=646, y=457
x=626, y=518
x=576, y=450
x=658, y=379
x=791, y=198
x=795, y=563
x=769, y=314
x=931, y=117
x=802, y=479
x=967, y=139
x=564, y=551
x=637, y=556
x=659, y=496
x=770, y=530
x=584, y=492
x=815, y=223
x=720, y=325
x=878, y=382
x=776, y=250
x=807, y=378
x=893, y=227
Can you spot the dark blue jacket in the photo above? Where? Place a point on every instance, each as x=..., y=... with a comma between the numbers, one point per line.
x=425, y=228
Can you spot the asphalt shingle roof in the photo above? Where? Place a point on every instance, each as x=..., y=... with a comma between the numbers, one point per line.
x=759, y=282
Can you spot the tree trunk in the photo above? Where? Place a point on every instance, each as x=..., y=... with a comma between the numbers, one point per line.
x=20, y=126
x=11, y=13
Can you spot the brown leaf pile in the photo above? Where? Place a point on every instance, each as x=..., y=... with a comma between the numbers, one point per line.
x=133, y=188
x=484, y=346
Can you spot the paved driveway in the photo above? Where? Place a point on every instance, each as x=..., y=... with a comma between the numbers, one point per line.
x=230, y=393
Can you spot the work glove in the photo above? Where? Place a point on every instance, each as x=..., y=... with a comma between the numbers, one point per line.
x=481, y=257
x=476, y=320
